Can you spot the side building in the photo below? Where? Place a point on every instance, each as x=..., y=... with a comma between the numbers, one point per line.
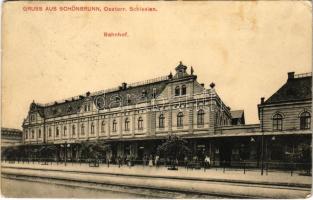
x=286, y=120
x=10, y=138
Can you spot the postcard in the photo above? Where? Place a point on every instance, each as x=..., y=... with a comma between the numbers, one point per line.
x=156, y=99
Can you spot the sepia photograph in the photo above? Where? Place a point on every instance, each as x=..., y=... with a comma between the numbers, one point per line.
x=156, y=99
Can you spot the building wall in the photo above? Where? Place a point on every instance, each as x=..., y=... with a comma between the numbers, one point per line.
x=167, y=103
x=10, y=137
x=290, y=112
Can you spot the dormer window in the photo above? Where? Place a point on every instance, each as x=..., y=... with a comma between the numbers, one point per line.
x=69, y=109
x=154, y=93
x=143, y=93
x=177, y=91
x=32, y=117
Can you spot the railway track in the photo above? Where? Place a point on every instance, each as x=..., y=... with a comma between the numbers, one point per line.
x=160, y=186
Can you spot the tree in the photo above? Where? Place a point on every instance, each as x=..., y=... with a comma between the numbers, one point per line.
x=94, y=150
x=173, y=149
x=47, y=151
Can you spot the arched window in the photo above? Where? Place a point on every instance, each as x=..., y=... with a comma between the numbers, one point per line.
x=26, y=135
x=161, y=121
x=140, y=123
x=126, y=124
x=57, y=132
x=64, y=131
x=183, y=90
x=102, y=127
x=92, y=128
x=277, y=122
x=180, y=119
x=114, y=125
x=39, y=133
x=82, y=129
x=73, y=130
x=305, y=121
x=177, y=91
x=200, y=117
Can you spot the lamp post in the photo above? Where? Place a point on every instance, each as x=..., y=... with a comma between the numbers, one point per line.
x=262, y=141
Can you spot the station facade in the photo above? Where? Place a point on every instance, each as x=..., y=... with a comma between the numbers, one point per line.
x=136, y=118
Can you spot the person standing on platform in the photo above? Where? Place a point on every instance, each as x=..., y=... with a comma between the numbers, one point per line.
x=151, y=161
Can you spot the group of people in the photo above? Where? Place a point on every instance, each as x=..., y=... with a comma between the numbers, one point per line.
x=195, y=162
x=155, y=161
x=150, y=161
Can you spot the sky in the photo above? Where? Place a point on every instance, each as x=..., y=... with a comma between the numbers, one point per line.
x=245, y=48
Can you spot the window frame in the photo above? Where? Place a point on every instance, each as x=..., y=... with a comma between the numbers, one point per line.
x=177, y=91
x=277, y=122
x=305, y=121
x=200, y=117
x=126, y=124
x=140, y=123
x=114, y=126
x=64, y=131
x=161, y=120
x=183, y=90
x=102, y=126
x=92, y=128
x=73, y=130
x=82, y=129
x=180, y=119
x=57, y=132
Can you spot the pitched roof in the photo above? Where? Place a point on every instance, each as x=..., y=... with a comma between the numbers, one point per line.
x=62, y=109
x=237, y=113
x=132, y=94
x=294, y=89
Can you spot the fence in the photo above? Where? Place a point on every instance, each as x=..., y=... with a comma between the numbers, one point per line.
x=243, y=166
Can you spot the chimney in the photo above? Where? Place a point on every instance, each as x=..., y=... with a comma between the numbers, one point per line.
x=291, y=75
x=262, y=100
x=124, y=86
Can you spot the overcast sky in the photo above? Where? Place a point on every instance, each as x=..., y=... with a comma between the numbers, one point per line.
x=245, y=48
